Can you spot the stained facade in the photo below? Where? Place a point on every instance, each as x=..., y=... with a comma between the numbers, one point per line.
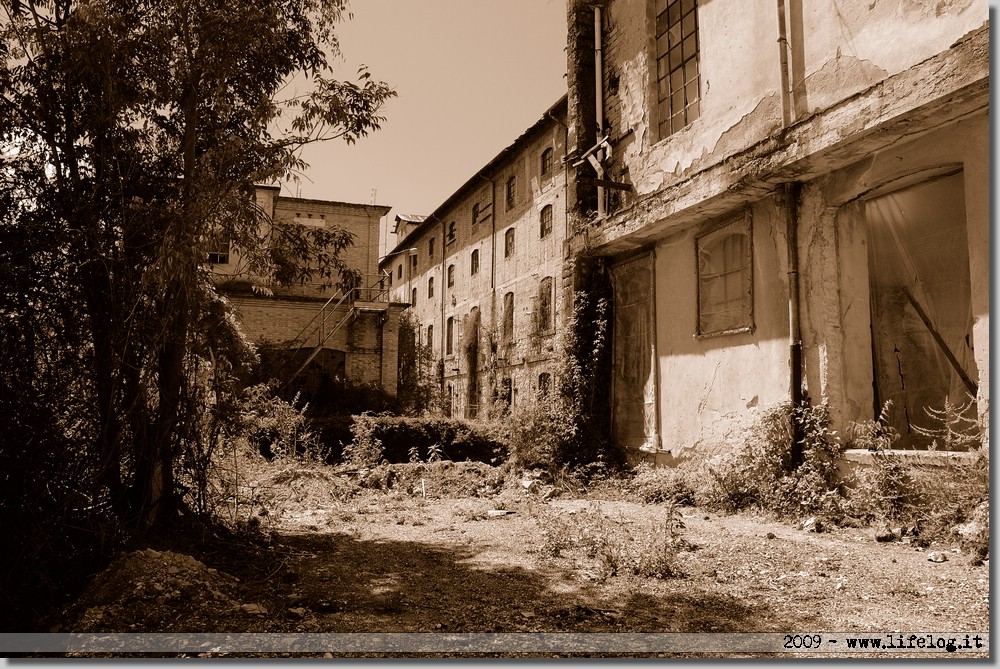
x=806, y=212
x=482, y=273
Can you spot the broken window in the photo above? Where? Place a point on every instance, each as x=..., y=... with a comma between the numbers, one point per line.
x=451, y=232
x=725, y=279
x=677, y=68
x=921, y=308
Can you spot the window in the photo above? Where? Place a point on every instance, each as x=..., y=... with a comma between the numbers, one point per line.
x=449, y=336
x=546, y=166
x=413, y=297
x=511, y=192
x=451, y=232
x=508, y=243
x=475, y=213
x=430, y=247
x=430, y=287
x=399, y=271
x=507, y=328
x=474, y=263
x=543, y=316
x=725, y=279
x=451, y=275
x=413, y=263
x=545, y=222
x=389, y=276
x=544, y=384
x=678, y=74
x=430, y=336
x=218, y=251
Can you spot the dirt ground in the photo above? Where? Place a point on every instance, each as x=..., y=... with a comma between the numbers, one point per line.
x=449, y=547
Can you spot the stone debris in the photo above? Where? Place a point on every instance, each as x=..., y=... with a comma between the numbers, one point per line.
x=937, y=557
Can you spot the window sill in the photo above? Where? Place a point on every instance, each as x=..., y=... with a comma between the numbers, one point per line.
x=724, y=333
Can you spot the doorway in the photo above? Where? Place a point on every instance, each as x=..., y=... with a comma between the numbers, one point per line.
x=921, y=311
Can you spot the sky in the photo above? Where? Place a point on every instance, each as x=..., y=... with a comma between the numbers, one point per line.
x=470, y=77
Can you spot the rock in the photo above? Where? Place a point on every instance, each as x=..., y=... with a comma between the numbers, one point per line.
x=552, y=493
x=812, y=525
x=298, y=611
x=885, y=534
x=937, y=557
x=978, y=522
x=253, y=609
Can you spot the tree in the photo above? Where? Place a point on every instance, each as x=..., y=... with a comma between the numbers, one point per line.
x=131, y=133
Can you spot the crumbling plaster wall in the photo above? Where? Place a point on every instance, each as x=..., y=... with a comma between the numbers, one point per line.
x=709, y=384
x=834, y=262
x=838, y=49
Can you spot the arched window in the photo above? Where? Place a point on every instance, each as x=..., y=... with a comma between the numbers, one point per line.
x=545, y=222
x=451, y=275
x=474, y=263
x=449, y=336
x=430, y=336
x=508, y=243
x=725, y=279
x=544, y=384
x=543, y=316
x=430, y=287
x=413, y=297
x=507, y=328
x=546, y=164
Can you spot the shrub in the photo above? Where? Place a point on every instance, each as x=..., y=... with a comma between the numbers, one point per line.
x=397, y=439
x=537, y=433
x=659, y=485
x=762, y=474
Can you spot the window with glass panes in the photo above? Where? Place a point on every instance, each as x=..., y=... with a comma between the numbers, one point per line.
x=678, y=73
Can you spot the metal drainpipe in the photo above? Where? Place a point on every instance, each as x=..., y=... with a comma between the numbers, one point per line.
x=599, y=100
x=791, y=192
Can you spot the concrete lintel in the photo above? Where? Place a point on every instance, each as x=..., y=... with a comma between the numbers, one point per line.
x=865, y=457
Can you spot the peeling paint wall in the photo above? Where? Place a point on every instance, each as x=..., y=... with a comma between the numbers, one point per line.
x=707, y=382
x=879, y=89
x=836, y=308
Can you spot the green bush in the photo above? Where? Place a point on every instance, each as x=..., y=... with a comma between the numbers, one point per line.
x=397, y=439
x=762, y=475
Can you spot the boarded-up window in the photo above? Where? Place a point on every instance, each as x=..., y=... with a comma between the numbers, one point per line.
x=725, y=279
x=543, y=315
x=507, y=331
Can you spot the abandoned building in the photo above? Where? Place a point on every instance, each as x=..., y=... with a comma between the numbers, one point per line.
x=789, y=198
x=322, y=338
x=482, y=273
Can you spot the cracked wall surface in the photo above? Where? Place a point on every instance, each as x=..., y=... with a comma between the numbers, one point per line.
x=878, y=90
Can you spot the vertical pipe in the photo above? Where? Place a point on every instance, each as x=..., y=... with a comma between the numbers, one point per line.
x=786, y=105
x=599, y=100
x=791, y=197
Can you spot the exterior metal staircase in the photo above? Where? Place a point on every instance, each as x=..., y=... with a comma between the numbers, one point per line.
x=374, y=297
